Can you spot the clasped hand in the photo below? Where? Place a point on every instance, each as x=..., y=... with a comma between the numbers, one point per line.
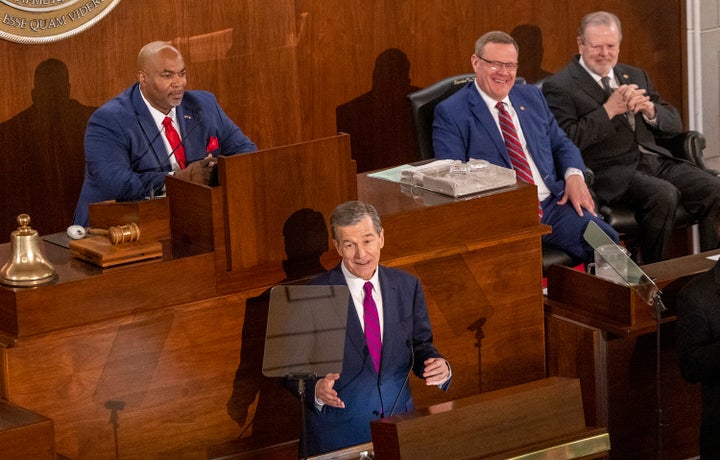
x=629, y=98
x=198, y=171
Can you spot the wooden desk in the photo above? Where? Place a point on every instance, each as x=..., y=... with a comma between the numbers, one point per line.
x=163, y=358
x=605, y=334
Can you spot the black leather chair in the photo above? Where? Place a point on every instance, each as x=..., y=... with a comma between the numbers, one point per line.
x=688, y=145
x=422, y=104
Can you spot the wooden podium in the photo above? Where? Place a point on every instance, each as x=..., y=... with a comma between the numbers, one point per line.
x=178, y=342
x=541, y=419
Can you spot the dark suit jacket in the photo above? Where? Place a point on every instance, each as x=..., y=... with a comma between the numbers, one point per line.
x=125, y=157
x=367, y=397
x=698, y=347
x=464, y=128
x=609, y=147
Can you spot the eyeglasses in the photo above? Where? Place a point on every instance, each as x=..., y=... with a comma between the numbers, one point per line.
x=496, y=65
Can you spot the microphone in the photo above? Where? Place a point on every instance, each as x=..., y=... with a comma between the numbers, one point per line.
x=408, y=343
x=139, y=158
x=164, y=161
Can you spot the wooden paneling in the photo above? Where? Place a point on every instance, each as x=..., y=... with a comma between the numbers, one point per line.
x=163, y=359
x=287, y=71
x=170, y=374
x=616, y=358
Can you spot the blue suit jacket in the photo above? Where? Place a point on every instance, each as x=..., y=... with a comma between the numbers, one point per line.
x=368, y=396
x=125, y=155
x=464, y=128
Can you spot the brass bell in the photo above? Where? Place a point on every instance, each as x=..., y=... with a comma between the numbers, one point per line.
x=27, y=266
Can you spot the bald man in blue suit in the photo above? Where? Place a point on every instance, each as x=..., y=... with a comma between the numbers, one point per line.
x=127, y=155
x=341, y=406
x=464, y=127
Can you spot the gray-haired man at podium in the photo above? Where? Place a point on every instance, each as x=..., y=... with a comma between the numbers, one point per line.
x=388, y=335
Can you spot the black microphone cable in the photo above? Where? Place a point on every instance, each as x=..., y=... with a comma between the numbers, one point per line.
x=408, y=343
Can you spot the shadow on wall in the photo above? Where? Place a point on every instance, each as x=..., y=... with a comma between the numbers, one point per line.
x=379, y=122
x=277, y=414
x=42, y=158
x=529, y=40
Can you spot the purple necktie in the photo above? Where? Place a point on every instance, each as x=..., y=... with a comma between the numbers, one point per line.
x=372, y=326
x=514, y=148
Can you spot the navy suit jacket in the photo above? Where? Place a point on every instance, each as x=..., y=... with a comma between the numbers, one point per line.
x=464, y=128
x=125, y=155
x=698, y=348
x=366, y=395
x=609, y=147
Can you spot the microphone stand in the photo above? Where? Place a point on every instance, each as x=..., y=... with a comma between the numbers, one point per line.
x=407, y=377
x=648, y=291
x=301, y=378
x=659, y=308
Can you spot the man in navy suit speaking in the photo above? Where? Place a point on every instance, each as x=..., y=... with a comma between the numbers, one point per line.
x=153, y=129
x=388, y=335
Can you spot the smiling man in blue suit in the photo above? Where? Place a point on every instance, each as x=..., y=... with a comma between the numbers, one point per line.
x=468, y=125
x=384, y=302
x=129, y=144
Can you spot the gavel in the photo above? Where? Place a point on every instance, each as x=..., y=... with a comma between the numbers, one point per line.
x=115, y=233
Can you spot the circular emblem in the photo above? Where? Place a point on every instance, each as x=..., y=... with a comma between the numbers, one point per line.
x=43, y=21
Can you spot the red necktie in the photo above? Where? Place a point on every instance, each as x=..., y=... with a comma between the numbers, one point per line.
x=514, y=148
x=174, y=139
x=372, y=326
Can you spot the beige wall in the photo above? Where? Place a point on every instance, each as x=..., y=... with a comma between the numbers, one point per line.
x=704, y=97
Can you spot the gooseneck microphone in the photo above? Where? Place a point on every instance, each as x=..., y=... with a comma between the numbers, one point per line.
x=136, y=161
x=408, y=343
x=164, y=159
x=186, y=136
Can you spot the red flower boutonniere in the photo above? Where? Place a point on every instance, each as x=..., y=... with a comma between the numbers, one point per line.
x=212, y=144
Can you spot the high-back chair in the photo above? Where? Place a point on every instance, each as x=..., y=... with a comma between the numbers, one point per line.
x=423, y=102
x=688, y=145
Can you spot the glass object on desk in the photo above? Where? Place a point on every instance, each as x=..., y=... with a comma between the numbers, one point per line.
x=623, y=266
x=459, y=169
x=457, y=179
x=611, y=263
x=473, y=166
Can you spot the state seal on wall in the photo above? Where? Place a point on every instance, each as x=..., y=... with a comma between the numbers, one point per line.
x=43, y=21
